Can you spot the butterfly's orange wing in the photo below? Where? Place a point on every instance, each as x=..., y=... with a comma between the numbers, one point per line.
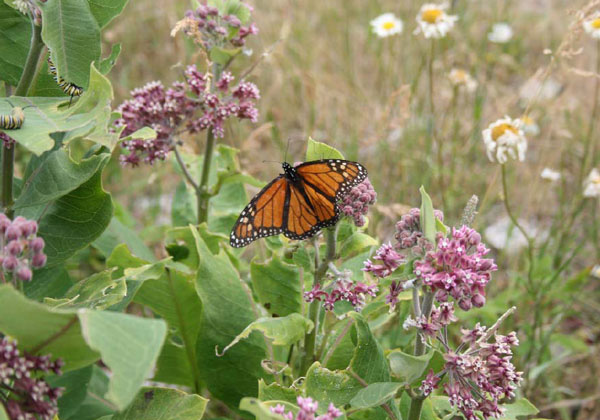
x=301, y=210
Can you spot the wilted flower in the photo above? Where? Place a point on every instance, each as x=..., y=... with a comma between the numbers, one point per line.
x=501, y=33
x=20, y=248
x=458, y=268
x=386, y=25
x=550, y=175
x=592, y=26
x=356, y=203
x=460, y=78
x=29, y=396
x=591, y=185
x=308, y=408
x=529, y=125
x=342, y=288
x=7, y=141
x=505, y=139
x=187, y=107
x=433, y=20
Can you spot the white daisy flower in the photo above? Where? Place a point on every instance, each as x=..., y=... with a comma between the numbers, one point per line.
x=459, y=77
x=505, y=139
x=433, y=20
x=501, y=33
x=591, y=185
x=529, y=126
x=503, y=234
x=596, y=271
x=592, y=26
x=386, y=25
x=550, y=175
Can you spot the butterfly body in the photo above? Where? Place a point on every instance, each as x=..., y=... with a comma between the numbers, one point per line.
x=298, y=203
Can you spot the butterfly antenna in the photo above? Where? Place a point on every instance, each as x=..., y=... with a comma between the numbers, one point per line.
x=287, y=148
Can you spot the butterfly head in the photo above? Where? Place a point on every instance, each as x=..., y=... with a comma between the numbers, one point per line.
x=289, y=171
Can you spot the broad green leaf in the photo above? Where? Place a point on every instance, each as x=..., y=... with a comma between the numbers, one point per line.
x=283, y=331
x=327, y=386
x=93, y=405
x=260, y=410
x=48, y=282
x=117, y=234
x=106, y=10
x=3, y=415
x=521, y=407
x=75, y=385
x=106, y=64
x=369, y=361
x=57, y=176
x=375, y=394
x=99, y=291
x=73, y=38
x=428, y=224
x=344, y=351
x=317, y=150
x=222, y=56
x=407, y=367
x=128, y=345
x=274, y=391
x=15, y=33
x=164, y=404
x=356, y=243
x=130, y=351
x=75, y=220
x=227, y=310
x=183, y=209
x=174, y=298
x=278, y=286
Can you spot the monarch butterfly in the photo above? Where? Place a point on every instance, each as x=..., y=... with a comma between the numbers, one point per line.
x=13, y=121
x=299, y=202
x=69, y=88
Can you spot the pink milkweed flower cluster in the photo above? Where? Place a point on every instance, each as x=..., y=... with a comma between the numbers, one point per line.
x=356, y=203
x=390, y=261
x=458, y=268
x=215, y=29
x=479, y=375
x=20, y=248
x=409, y=234
x=7, y=141
x=343, y=289
x=184, y=107
x=308, y=409
x=27, y=396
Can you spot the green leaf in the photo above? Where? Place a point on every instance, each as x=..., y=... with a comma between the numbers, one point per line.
x=278, y=286
x=356, y=243
x=15, y=33
x=274, y=391
x=128, y=345
x=99, y=291
x=106, y=10
x=117, y=234
x=73, y=38
x=407, y=367
x=283, y=331
x=73, y=221
x=174, y=298
x=227, y=310
x=369, y=361
x=93, y=405
x=521, y=407
x=48, y=282
x=260, y=410
x=183, y=209
x=427, y=217
x=222, y=56
x=327, y=386
x=57, y=176
x=130, y=351
x=375, y=394
x=3, y=415
x=317, y=150
x=106, y=64
x=164, y=404
x=75, y=386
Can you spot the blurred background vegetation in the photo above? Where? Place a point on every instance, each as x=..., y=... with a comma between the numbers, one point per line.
x=327, y=76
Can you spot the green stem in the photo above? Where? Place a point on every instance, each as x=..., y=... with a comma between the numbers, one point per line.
x=8, y=153
x=311, y=338
x=415, y=408
x=203, y=194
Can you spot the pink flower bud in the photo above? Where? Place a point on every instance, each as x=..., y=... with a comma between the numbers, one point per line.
x=13, y=232
x=4, y=223
x=465, y=304
x=29, y=228
x=24, y=274
x=38, y=260
x=10, y=263
x=14, y=248
x=478, y=300
x=37, y=244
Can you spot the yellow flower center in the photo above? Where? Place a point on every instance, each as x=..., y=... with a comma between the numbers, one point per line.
x=431, y=15
x=499, y=130
x=596, y=23
x=389, y=25
x=460, y=76
x=527, y=120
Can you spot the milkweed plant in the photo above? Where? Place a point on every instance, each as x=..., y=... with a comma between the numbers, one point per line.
x=388, y=312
